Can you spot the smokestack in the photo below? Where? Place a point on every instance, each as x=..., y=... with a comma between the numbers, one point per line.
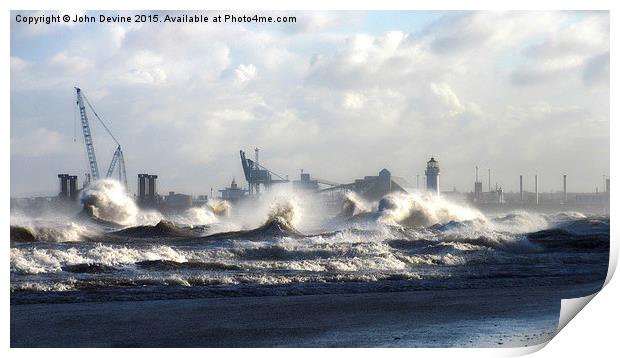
x=477, y=187
x=536, y=187
x=521, y=186
x=489, y=180
x=607, y=186
x=565, y=196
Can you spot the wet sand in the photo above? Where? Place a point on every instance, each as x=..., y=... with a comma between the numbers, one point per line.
x=448, y=318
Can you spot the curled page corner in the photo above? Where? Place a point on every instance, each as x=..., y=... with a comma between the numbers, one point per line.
x=613, y=261
x=570, y=308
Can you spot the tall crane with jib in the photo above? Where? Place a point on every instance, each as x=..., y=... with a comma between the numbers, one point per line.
x=118, y=159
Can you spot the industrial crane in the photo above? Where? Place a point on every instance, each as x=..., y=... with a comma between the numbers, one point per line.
x=118, y=159
x=256, y=174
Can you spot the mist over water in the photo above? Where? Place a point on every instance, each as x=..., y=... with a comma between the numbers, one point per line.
x=291, y=243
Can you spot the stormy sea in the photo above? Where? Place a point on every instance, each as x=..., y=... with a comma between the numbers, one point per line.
x=408, y=270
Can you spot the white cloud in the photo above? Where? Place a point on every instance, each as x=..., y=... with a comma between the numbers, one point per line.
x=314, y=21
x=184, y=99
x=447, y=96
x=40, y=142
x=245, y=73
x=71, y=64
x=354, y=101
x=18, y=64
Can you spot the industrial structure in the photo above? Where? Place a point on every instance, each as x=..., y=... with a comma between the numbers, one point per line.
x=607, y=186
x=372, y=187
x=565, y=196
x=147, y=190
x=68, y=187
x=536, y=188
x=534, y=198
x=260, y=179
x=118, y=159
x=477, y=188
x=178, y=201
x=310, y=184
x=432, y=176
x=257, y=175
x=233, y=193
x=305, y=183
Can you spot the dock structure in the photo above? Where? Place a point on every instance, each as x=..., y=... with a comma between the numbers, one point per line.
x=257, y=175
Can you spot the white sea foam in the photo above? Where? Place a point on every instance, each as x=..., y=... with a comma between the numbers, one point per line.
x=423, y=210
x=58, y=232
x=355, y=205
x=41, y=260
x=107, y=200
x=400, y=237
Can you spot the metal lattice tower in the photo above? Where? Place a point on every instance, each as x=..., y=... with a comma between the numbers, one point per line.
x=88, y=139
x=117, y=159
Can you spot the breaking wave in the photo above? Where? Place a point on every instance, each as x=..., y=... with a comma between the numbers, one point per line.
x=286, y=212
x=163, y=228
x=412, y=239
x=210, y=213
x=108, y=201
x=32, y=260
x=49, y=233
x=280, y=223
x=219, y=207
x=354, y=205
x=422, y=210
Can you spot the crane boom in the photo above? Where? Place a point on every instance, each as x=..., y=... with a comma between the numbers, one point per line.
x=113, y=162
x=117, y=159
x=122, y=172
x=88, y=139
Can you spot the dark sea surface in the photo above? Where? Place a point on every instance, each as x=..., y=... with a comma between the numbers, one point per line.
x=90, y=261
x=409, y=270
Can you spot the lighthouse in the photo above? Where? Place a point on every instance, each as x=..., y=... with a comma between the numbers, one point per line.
x=432, y=176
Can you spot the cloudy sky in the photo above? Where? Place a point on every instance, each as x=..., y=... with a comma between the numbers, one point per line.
x=339, y=94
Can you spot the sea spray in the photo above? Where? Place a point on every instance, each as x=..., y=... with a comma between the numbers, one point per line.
x=422, y=210
x=219, y=207
x=50, y=226
x=428, y=242
x=287, y=211
x=354, y=205
x=384, y=257
x=520, y=221
x=107, y=200
x=213, y=216
x=54, y=232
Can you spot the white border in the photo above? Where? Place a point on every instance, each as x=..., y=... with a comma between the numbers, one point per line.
x=592, y=333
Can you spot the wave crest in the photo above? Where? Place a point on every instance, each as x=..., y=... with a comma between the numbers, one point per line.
x=422, y=210
x=163, y=228
x=286, y=212
x=57, y=233
x=354, y=205
x=107, y=200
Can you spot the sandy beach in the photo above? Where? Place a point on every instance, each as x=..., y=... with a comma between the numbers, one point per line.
x=446, y=318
